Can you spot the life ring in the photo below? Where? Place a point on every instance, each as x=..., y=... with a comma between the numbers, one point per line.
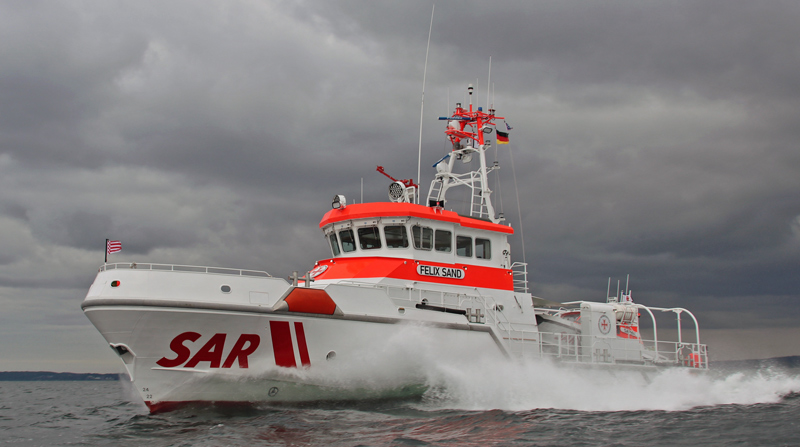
x=318, y=270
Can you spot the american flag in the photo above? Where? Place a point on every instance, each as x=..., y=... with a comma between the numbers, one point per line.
x=113, y=247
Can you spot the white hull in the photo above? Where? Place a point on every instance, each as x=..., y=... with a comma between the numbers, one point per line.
x=321, y=357
x=183, y=340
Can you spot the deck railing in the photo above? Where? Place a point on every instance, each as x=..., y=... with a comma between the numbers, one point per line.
x=588, y=349
x=183, y=268
x=520, y=272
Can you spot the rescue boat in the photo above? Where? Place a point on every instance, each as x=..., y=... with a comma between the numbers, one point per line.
x=399, y=271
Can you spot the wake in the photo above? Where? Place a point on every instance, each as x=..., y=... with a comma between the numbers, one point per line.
x=536, y=384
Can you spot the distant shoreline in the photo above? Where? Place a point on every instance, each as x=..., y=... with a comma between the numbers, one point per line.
x=44, y=376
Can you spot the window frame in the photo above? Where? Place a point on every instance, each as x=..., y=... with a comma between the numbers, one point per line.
x=404, y=237
x=460, y=238
x=334, y=243
x=352, y=240
x=436, y=242
x=486, y=248
x=421, y=238
x=375, y=235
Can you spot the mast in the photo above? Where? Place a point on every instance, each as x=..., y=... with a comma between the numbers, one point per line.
x=467, y=130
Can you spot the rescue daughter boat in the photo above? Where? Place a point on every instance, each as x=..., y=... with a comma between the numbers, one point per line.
x=400, y=271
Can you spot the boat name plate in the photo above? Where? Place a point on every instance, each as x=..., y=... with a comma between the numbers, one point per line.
x=441, y=272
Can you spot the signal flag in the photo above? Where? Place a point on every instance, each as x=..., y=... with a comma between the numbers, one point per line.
x=112, y=247
x=502, y=137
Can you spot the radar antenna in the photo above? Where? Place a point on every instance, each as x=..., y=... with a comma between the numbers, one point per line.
x=467, y=129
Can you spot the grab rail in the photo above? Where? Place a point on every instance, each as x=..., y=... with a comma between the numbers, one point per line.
x=520, y=273
x=589, y=349
x=183, y=268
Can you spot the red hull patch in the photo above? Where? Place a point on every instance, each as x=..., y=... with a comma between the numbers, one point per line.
x=282, y=345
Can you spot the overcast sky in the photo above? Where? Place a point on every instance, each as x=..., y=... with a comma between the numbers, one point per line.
x=659, y=139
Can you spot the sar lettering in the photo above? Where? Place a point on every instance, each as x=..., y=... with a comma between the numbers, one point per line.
x=212, y=351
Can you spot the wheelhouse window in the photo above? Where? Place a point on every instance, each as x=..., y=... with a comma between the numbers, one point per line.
x=396, y=236
x=369, y=238
x=334, y=244
x=423, y=237
x=348, y=240
x=464, y=246
x=483, y=248
x=443, y=241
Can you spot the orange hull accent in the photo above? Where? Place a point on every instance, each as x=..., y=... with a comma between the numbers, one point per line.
x=406, y=269
x=310, y=301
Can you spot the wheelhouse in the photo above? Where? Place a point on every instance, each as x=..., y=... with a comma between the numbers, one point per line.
x=409, y=231
x=405, y=241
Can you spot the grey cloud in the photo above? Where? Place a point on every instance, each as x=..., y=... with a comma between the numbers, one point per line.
x=657, y=139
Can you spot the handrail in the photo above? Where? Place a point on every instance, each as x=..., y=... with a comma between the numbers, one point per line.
x=578, y=349
x=663, y=351
x=520, y=269
x=678, y=311
x=183, y=268
x=655, y=328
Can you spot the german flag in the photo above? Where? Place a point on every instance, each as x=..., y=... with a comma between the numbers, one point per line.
x=502, y=137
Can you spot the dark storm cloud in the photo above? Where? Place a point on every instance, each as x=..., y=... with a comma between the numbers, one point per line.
x=58, y=64
x=651, y=138
x=715, y=48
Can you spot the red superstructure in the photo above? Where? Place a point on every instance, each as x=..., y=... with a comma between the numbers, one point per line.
x=400, y=258
x=389, y=209
x=476, y=120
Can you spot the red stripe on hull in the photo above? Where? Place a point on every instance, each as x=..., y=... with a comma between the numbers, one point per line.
x=397, y=268
x=163, y=407
x=282, y=344
x=301, y=343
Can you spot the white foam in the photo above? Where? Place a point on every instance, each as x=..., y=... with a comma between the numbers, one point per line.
x=460, y=378
x=518, y=386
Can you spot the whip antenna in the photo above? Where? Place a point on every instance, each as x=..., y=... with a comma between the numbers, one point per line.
x=422, y=106
x=519, y=208
x=489, y=85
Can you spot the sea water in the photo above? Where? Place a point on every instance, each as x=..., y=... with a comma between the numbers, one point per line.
x=518, y=403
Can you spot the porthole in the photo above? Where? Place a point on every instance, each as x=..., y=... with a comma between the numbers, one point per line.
x=225, y=288
x=331, y=355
